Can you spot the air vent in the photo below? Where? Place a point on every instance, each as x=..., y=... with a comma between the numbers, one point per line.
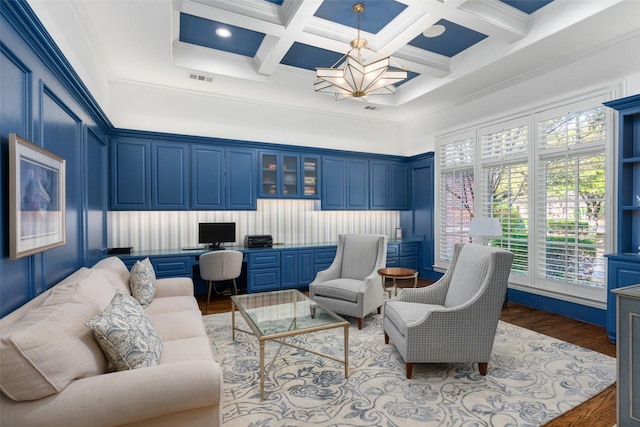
x=201, y=78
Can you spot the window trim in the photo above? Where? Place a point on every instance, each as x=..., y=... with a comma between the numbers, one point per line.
x=529, y=282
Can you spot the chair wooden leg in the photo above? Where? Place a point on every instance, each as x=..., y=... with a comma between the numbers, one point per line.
x=482, y=367
x=386, y=338
x=208, y=296
x=235, y=288
x=359, y=322
x=409, y=370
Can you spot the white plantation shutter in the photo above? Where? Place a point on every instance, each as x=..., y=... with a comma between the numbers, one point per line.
x=571, y=198
x=456, y=159
x=504, y=150
x=544, y=176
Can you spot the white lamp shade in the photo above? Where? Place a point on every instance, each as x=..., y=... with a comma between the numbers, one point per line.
x=487, y=227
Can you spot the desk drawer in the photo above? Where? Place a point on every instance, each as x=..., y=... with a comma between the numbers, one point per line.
x=392, y=250
x=325, y=256
x=171, y=267
x=266, y=279
x=270, y=259
x=409, y=249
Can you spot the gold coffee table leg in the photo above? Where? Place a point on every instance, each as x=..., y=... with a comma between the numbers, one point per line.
x=346, y=352
x=233, y=321
x=262, y=373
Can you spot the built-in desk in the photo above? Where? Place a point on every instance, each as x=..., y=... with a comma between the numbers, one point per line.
x=267, y=269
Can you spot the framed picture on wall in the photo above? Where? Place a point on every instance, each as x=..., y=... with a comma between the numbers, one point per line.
x=36, y=198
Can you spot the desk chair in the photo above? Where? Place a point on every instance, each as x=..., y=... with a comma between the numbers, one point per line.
x=220, y=265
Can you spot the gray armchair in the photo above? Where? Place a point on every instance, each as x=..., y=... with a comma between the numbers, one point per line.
x=455, y=319
x=351, y=285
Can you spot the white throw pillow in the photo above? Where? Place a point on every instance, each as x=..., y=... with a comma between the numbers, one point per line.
x=142, y=282
x=126, y=335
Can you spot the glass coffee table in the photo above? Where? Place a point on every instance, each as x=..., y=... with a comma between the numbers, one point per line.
x=274, y=316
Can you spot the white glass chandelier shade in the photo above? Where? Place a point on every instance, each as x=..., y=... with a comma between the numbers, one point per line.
x=350, y=77
x=353, y=79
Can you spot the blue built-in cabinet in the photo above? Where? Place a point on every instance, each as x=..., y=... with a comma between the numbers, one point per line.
x=207, y=178
x=334, y=183
x=417, y=223
x=130, y=174
x=152, y=171
x=148, y=175
x=240, y=179
x=287, y=175
x=352, y=183
x=405, y=254
x=169, y=176
x=279, y=175
x=623, y=266
x=159, y=175
x=274, y=269
x=389, y=185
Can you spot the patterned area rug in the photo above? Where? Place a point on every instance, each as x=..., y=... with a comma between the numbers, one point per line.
x=532, y=378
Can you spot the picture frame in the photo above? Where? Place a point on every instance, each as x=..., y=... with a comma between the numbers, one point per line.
x=37, y=198
x=399, y=233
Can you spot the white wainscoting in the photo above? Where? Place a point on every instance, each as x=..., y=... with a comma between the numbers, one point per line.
x=288, y=221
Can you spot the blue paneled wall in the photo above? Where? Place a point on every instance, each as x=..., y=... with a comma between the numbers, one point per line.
x=40, y=101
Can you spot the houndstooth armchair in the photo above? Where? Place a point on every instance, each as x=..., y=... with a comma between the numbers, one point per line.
x=455, y=319
x=351, y=285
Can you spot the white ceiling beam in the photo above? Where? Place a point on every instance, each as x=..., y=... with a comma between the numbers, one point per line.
x=493, y=18
x=273, y=48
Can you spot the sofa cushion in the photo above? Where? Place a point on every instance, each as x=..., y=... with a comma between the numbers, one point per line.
x=115, y=271
x=126, y=335
x=170, y=305
x=186, y=349
x=179, y=324
x=50, y=346
x=142, y=282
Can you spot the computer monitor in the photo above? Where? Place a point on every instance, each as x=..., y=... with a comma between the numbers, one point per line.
x=213, y=234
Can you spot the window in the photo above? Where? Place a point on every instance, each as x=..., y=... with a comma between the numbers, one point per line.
x=544, y=176
x=571, y=198
x=505, y=186
x=456, y=192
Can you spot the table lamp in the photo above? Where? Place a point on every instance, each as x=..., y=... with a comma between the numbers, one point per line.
x=485, y=228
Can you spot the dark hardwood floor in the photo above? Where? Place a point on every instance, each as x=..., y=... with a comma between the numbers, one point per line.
x=599, y=411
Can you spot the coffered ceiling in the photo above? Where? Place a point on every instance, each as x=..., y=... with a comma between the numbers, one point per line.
x=275, y=45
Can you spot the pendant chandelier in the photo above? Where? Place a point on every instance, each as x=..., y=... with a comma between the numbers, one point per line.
x=350, y=77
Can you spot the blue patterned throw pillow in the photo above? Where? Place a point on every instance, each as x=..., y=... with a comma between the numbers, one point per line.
x=142, y=282
x=126, y=335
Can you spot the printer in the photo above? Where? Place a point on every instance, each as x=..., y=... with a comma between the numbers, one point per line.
x=263, y=241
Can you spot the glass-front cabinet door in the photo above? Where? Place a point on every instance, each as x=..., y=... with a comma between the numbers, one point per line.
x=310, y=177
x=290, y=181
x=269, y=175
x=280, y=175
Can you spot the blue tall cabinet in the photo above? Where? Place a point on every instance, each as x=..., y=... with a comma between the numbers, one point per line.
x=417, y=223
x=623, y=266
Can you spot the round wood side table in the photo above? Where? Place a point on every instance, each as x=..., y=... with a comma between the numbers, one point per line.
x=395, y=273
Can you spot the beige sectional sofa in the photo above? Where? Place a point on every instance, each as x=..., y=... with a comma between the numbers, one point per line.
x=53, y=372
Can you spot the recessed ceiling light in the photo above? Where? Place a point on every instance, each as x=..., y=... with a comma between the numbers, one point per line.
x=434, y=31
x=223, y=32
